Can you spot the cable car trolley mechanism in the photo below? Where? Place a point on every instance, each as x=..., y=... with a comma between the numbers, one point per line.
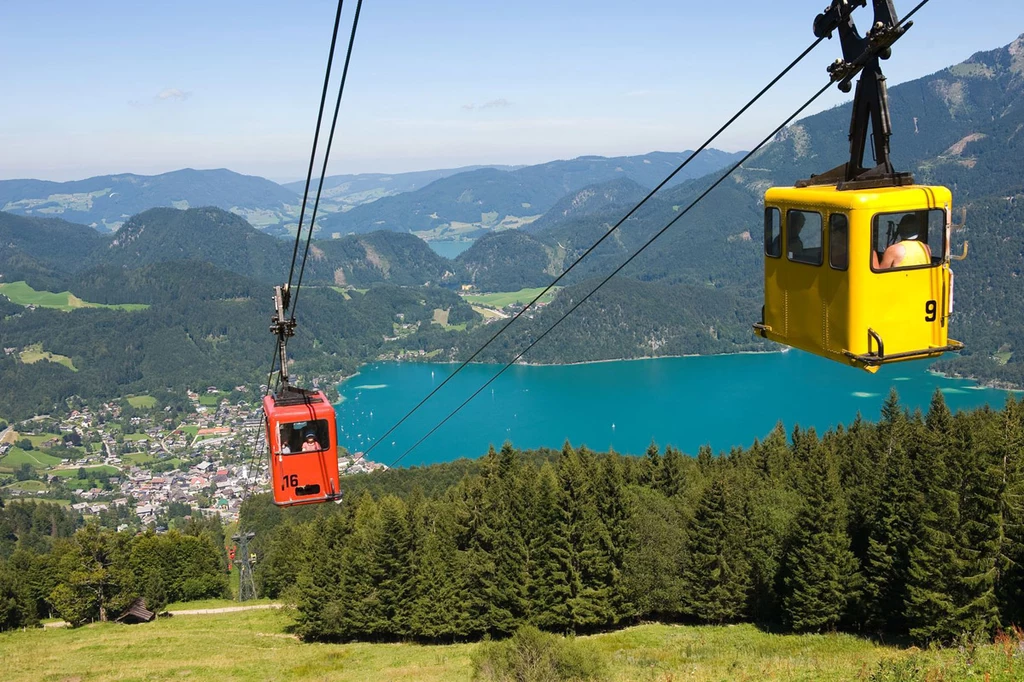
x=301, y=430
x=857, y=260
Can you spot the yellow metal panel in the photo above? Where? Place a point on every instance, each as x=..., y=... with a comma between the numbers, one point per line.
x=830, y=312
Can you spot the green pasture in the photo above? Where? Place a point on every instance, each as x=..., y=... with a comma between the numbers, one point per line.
x=38, y=438
x=139, y=458
x=26, y=486
x=344, y=293
x=104, y=469
x=210, y=400
x=258, y=645
x=35, y=353
x=505, y=298
x=141, y=401
x=34, y=458
x=22, y=294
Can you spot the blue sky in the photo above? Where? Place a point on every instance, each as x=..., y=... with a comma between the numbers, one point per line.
x=112, y=86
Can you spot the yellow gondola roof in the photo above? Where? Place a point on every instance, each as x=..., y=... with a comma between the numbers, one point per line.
x=878, y=198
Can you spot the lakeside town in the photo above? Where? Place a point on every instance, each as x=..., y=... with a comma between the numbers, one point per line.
x=133, y=466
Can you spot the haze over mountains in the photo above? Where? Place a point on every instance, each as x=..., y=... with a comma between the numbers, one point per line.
x=696, y=290
x=477, y=197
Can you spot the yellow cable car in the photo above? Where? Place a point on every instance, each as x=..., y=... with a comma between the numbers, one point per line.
x=857, y=260
x=862, y=276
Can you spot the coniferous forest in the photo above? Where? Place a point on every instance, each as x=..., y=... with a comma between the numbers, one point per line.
x=909, y=530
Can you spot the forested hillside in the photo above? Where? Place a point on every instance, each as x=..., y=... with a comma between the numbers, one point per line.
x=908, y=528
x=194, y=336
x=487, y=197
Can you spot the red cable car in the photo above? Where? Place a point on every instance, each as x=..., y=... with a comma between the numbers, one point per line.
x=302, y=435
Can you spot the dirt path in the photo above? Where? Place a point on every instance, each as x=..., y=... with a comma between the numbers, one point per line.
x=190, y=612
x=225, y=609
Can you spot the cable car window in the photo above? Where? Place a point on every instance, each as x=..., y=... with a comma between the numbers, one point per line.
x=804, y=237
x=305, y=436
x=839, y=241
x=772, y=233
x=910, y=239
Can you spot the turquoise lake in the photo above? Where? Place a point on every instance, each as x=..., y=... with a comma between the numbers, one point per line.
x=723, y=400
x=450, y=249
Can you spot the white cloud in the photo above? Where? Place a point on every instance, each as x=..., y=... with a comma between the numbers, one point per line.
x=500, y=103
x=174, y=93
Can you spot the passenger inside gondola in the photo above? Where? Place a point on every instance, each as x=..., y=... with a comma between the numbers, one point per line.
x=907, y=239
x=304, y=436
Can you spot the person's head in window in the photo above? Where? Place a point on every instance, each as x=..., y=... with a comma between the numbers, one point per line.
x=909, y=227
x=310, y=443
x=908, y=251
x=796, y=225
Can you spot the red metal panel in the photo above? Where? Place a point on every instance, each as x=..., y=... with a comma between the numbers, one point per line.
x=302, y=477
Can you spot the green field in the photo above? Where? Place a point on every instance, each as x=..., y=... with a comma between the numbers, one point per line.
x=36, y=459
x=502, y=299
x=26, y=486
x=344, y=292
x=141, y=401
x=139, y=458
x=73, y=473
x=210, y=400
x=256, y=645
x=38, y=439
x=35, y=353
x=22, y=294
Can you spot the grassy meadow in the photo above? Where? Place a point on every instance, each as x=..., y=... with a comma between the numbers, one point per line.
x=22, y=294
x=257, y=645
x=141, y=401
x=504, y=298
x=34, y=458
x=35, y=353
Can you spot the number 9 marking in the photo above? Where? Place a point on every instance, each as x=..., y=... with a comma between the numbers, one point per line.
x=931, y=310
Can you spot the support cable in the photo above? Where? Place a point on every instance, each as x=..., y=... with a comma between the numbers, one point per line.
x=252, y=459
x=607, y=234
x=327, y=156
x=316, y=139
x=618, y=269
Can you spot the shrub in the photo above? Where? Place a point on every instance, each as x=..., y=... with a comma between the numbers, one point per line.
x=534, y=656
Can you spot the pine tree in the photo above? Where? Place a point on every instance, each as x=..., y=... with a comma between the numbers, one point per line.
x=979, y=482
x=438, y=599
x=716, y=577
x=892, y=530
x=1010, y=564
x=614, y=512
x=819, y=566
x=553, y=579
x=930, y=607
x=392, y=568
x=505, y=505
x=672, y=477
x=650, y=466
x=590, y=601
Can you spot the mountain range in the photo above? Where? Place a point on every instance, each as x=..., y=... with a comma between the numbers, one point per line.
x=696, y=290
x=106, y=202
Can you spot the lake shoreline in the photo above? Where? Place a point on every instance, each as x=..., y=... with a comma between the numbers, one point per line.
x=609, y=404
